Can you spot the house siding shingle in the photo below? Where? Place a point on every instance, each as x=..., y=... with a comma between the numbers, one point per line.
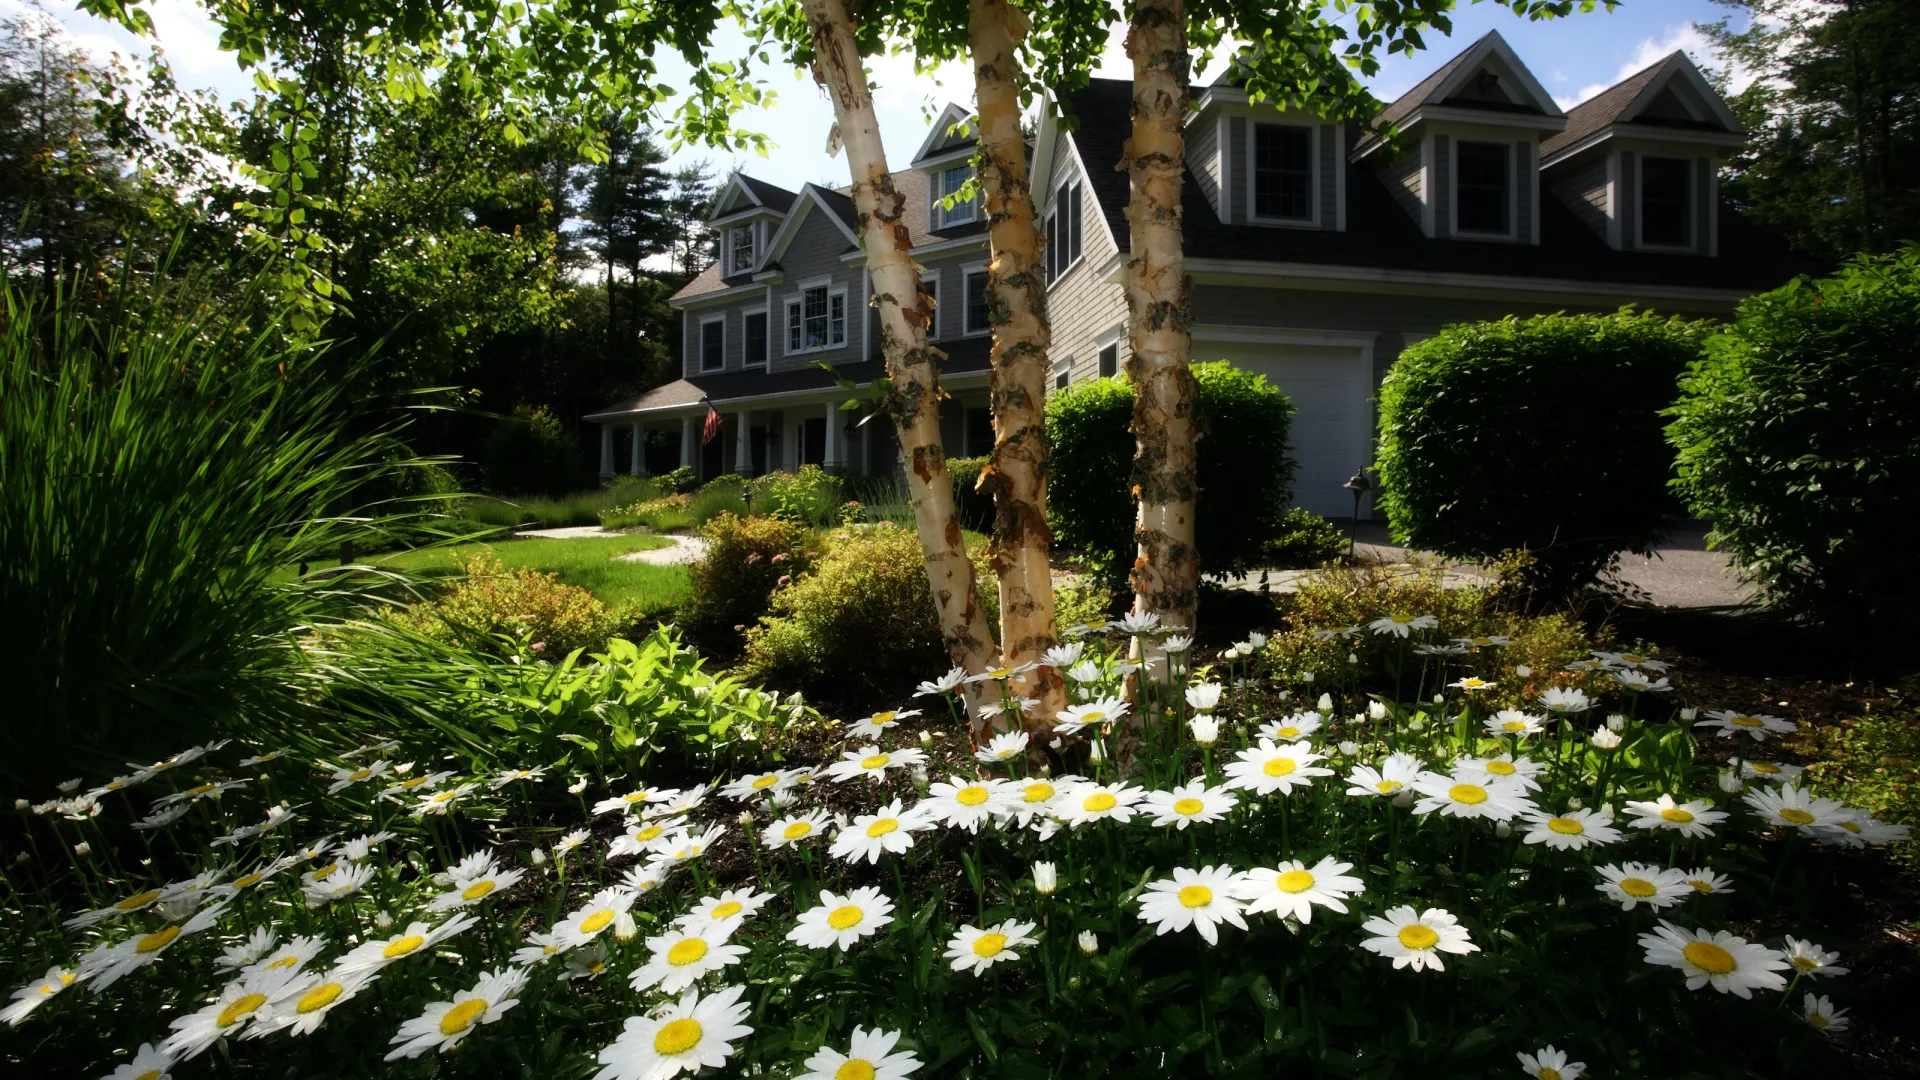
x=1237, y=175
x=1203, y=158
x=1582, y=185
x=1525, y=169
x=1441, y=197
x=1081, y=306
x=1332, y=160
x=1403, y=181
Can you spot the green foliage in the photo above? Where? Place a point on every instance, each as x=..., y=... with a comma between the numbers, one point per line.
x=809, y=495
x=530, y=453
x=1871, y=762
x=491, y=600
x=678, y=481
x=1245, y=472
x=747, y=558
x=1305, y=541
x=1081, y=601
x=661, y=515
x=721, y=495
x=160, y=467
x=1799, y=438
x=974, y=508
x=869, y=586
x=566, y=511
x=594, y=563
x=1541, y=434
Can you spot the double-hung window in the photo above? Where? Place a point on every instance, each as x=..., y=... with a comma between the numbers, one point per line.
x=756, y=339
x=713, y=344
x=740, y=251
x=1666, y=203
x=1483, y=187
x=1283, y=172
x=817, y=319
x=978, y=321
x=1063, y=230
x=947, y=183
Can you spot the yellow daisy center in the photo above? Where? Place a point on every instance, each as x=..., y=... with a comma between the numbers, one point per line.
x=1514, y=726
x=326, y=871
x=855, y=1069
x=1189, y=807
x=1403, y=619
x=1418, y=936
x=242, y=1006
x=686, y=951
x=319, y=997
x=291, y=960
x=413, y=783
x=1471, y=794
x=1472, y=684
x=462, y=1016
x=677, y=1036
x=650, y=832
x=1804, y=963
x=638, y=796
x=201, y=789
x=1388, y=787
x=1566, y=826
x=400, y=947
x=1708, y=957
x=881, y=718
x=970, y=796
x=138, y=900
x=766, y=781
x=360, y=774
x=1294, y=881
x=1767, y=767
x=726, y=910
x=989, y=945
x=798, y=829
x=1093, y=717
x=597, y=921
x=1850, y=826
x=1280, y=766
x=1796, y=815
x=1501, y=768
x=1819, y=1020
x=883, y=827
x=999, y=673
x=150, y=1074
x=1548, y=1074
x=874, y=761
x=842, y=917
x=248, y=880
x=1677, y=815
x=1196, y=896
x=1100, y=802
x=1036, y=792
x=157, y=940
x=443, y=796
x=1746, y=721
x=478, y=889
x=1288, y=733
x=1639, y=887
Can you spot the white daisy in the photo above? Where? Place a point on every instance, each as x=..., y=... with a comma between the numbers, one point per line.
x=565, y=845
x=870, y=762
x=587, y=963
x=1791, y=807
x=965, y=804
x=1548, y=1063
x=439, y=802
x=870, y=728
x=515, y=775
x=639, y=838
x=869, y=1056
x=887, y=829
x=210, y=790
x=1135, y=623
x=974, y=949
x=842, y=920
x=1630, y=884
x=1810, y=959
x=1002, y=747
x=1819, y=1011
x=417, y=939
x=38, y=993
x=727, y=910
x=1416, y=940
x=139, y=901
x=1102, y=712
x=293, y=956
x=1706, y=882
x=1086, y=671
x=1085, y=803
x=413, y=785
x=1192, y=803
x=1756, y=725
x=1291, y=888
x=342, y=883
x=1488, y=642
x=1035, y=797
x=1860, y=830
x=540, y=947
x=1064, y=656
x=1467, y=794
x=680, y=958
x=467, y=891
x=592, y=919
x=1203, y=697
x=1769, y=770
x=276, y=817
x=678, y=847
x=1513, y=722
x=150, y=1062
x=1472, y=683
x=1572, y=830
x=1692, y=819
x=1402, y=625
x=1733, y=965
x=1201, y=899
x=301, y=1006
x=683, y=803
x=1639, y=681
x=227, y=1015
x=795, y=829
x=360, y=847
x=1292, y=728
x=945, y=684
x=1395, y=775
x=639, y=797
x=1517, y=772
x=1555, y=699
x=756, y=784
x=687, y=1035
x=107, y=964
x=1267, y=769
x=344, y=778
x=445, y=1023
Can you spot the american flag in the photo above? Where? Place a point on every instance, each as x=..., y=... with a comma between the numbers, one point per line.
x=711, y=431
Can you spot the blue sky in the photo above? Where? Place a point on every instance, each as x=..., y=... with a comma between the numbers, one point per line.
x=1573, y=58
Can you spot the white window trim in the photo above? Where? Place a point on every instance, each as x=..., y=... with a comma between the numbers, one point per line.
x=766, y=360
x=1112, y=337
x=1313, y=176
x=1053, y=213
x=1640, y=211
x=966, y=330
x=797, y=298
x=937, y=218
x=1062, y=365
x=1453, y=192
x=752, y=229
x=706, y=321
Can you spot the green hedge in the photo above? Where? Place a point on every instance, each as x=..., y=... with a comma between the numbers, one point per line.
x=1542, y=434
x=1799, y=438
x=1245, y=470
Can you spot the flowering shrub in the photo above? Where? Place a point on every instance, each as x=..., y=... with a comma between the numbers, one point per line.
x=808, y=496
x=733, y=583
x=1798, y=440
x=1541, y=433
x=490, y=601
x=1200, y=877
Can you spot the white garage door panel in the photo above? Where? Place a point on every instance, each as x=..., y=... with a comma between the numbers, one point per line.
x=1328, y=386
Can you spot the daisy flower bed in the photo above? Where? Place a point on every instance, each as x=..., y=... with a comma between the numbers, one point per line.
x=1196, y=869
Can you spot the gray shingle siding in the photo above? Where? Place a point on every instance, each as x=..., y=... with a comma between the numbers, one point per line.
x=1237, y=175
x=1332, y=160
x=1441, y=197
x=1582, y=186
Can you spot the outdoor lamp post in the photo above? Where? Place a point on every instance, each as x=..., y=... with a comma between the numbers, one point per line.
x=1359, y=485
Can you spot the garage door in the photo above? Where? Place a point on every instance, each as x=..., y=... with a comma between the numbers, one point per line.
x=1328, y=386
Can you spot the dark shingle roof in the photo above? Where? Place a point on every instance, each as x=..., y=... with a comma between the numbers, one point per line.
x=1600, y=111
x=772, y=196
x=1404, y=105
x=1380, y=233
x=965, y=356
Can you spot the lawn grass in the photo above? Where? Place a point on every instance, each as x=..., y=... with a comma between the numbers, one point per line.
x=589, y=562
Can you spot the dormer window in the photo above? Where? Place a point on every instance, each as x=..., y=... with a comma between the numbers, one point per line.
x=740, y=250
x=1483, y=188
x=1666, y=202
x=1283, y=168
x=947, y=183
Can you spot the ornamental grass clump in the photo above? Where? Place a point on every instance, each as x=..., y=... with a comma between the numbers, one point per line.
x=1202, y=870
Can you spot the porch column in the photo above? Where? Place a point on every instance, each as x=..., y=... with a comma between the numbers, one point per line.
x=639, y=451
x=606, y=451
x=686, y=441
x=836, y=440
x=743, y=444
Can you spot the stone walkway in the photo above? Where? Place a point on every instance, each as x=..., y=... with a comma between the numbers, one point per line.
x=683, y=549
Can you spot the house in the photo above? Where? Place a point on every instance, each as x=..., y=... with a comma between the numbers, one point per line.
x=1317, y=251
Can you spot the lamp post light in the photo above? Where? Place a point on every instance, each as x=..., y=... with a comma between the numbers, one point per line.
x=1359, y=485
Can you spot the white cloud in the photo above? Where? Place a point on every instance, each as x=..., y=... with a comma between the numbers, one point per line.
x=1651, y=51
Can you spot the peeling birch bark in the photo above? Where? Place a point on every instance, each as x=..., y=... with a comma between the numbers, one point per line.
x=912, y=366
x=1166, y=572
x=1016, y=475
